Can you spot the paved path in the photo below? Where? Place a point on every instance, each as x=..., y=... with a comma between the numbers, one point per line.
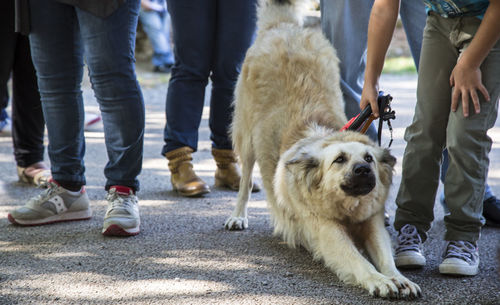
x=183, y=255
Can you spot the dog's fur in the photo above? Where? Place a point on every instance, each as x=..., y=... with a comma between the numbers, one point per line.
x=326, y=189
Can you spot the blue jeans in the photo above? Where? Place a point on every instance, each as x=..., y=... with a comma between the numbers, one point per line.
x=61, y=37
x=210, y=40
x=345, y=24
x=157, y=27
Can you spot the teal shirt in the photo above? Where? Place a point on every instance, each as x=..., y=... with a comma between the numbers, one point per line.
x=457, y=8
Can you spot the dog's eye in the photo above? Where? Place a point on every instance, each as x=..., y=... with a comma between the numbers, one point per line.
x=340, y=159
x=368, y=158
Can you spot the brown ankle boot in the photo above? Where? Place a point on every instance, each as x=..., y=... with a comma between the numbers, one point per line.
x=228, y=174
x=184, y=179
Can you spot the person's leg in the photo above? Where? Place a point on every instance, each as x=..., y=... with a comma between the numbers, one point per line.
x=109, y=45
x=425, y=137
x=193, y=24
x=57, y=55
x=7, y=47
x=341, y=20
x=167, y=26
x=153, y=24
x=413, y=17
x=27, y=116
x=236, y=22
x=468, y=147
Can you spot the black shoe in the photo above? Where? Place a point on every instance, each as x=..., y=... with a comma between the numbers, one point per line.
x=162, y=69
x=491, y=211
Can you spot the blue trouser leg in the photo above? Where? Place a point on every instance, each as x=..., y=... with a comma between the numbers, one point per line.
x=234, y=36
x=413, y=18
x=345, y=24
x=57, y=53
x=60, y=34
x=207, y=39
x=28, y=125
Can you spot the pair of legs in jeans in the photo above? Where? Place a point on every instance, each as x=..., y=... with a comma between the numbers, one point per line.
x=210, y=38
x=62, y=37
x=28, y=125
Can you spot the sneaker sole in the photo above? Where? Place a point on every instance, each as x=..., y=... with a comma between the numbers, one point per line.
x=461, y=270
x=116, y=230
x=70, y=216
x=409, y=263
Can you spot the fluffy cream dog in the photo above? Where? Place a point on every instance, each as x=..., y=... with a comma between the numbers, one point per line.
x=326, y=189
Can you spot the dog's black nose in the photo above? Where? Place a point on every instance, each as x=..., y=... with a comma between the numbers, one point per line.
x=361, y=169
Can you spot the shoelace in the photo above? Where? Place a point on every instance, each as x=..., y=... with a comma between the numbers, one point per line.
x=51, y=189
x=463, y=250
x=408, y=239
x=118, y=201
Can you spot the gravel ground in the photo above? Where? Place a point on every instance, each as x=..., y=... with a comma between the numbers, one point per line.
x=183, y=254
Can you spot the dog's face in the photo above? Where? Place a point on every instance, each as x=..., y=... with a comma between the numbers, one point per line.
x=339, y=179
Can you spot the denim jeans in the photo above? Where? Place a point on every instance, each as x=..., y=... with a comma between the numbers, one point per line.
x=157, y=27
x=345, y=24
x=61, y=37
x=28, y=125
x=210, y=40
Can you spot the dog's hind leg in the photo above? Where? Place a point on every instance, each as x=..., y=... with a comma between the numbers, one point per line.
x=239, y=217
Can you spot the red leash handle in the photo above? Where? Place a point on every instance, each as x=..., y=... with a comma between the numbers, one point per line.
x=346, y=126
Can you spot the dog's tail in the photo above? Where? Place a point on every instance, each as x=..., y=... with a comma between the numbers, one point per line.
x=273, y=12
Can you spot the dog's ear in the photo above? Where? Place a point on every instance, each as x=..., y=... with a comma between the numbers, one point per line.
x=387, y=158
x=305, y=169
x=387, y=162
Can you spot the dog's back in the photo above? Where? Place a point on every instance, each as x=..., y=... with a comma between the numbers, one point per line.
x=289, y=77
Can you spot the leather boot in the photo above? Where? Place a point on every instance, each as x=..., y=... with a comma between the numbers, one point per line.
x=227, y=174
x=184, y=179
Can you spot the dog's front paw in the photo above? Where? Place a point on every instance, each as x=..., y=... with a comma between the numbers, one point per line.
x=236, y=223
x=407, y=289
x=397, y=287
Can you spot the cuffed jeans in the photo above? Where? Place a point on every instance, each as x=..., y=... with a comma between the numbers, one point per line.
x=211, y=38
x=61, y=36
x=345, y=24
x=28, y=125
x=157, y=27
x=435, y=127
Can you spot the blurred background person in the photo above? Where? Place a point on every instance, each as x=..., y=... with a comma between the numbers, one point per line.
x=155, y=22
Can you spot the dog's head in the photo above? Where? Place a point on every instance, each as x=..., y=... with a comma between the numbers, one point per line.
x=341, y=175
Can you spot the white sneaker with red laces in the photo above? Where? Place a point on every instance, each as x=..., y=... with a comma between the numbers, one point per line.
x=122, y=216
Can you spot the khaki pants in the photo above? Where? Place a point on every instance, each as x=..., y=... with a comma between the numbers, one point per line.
x=435, y=127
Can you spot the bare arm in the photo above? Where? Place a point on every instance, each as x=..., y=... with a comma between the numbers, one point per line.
x=381, y=26
x=466, y=76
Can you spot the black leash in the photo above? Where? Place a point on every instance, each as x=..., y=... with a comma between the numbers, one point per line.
x=362, y=121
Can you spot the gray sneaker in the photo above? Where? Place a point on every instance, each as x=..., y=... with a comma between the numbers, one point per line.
x=122, y=216
x=460, y=258
x=409, y=248
x=55, y=204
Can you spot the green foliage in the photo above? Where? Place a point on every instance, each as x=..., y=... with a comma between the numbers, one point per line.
x=399, y=65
